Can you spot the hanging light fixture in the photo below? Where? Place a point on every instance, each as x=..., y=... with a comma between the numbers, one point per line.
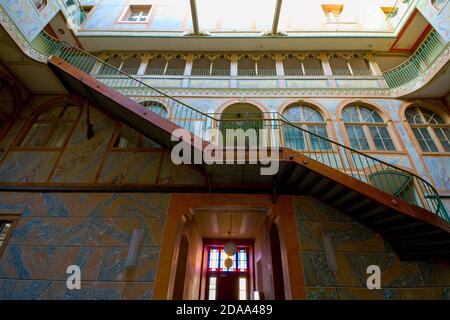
x=228, y=263
x=230, y=247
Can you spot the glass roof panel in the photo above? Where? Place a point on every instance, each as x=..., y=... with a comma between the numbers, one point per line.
x=235, y=15
x=308, y=15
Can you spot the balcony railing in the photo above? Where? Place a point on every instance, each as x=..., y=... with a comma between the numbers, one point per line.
x=361, y=72
x=279, y=132
x=247, y=72
x=200, y=72
x=293, y=72
x=341, y=72
x=267, y=72
x=314, y=72
x=417, y=63
x=210, y=72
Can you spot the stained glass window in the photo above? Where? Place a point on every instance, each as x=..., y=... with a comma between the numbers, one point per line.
x=217, y=256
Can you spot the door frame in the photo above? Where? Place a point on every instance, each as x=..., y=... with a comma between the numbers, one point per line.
x=248, y=243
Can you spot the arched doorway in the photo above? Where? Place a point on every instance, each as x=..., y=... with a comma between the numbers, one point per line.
x=180, y=275
x=246, y=117
x=277, y=264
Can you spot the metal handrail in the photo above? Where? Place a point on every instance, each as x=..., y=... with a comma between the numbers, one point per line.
x=282, y=133
x=418, y=62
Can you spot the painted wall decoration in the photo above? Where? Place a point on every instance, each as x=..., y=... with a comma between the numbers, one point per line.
x=91, y=230
x=438, y=18
x=356, y=248
x=27, y=17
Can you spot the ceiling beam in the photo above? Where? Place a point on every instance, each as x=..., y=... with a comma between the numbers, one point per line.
x=194, y=16
x=276, y=17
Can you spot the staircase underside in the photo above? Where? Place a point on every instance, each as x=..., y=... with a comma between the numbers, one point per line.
x=413, y=232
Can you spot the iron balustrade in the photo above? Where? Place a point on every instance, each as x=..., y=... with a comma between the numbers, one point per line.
x=341, y=72
x=415, y=65
x=267, y=72
x=279, y=132
x=293, y=72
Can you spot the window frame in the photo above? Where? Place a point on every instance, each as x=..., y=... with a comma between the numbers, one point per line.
x=35, y=119
x=366, y=128
x=430, y=128
x=307, y=141
x=437, y=7
x=45, y=3
x=116, y=139
x=8, y=218
x=247, y=274
x=129, y=9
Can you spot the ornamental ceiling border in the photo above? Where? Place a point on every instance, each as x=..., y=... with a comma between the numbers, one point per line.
x=22, y=42
x=277, y=92
x=301, y=55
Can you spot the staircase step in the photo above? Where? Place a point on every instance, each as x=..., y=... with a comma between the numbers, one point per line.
x=424, y=234
x=332, y=193
x=434, y=243
x=388, y=219
x=361, y=206
x=349, y=196
x=379, y=210
x=411, y=225
x=298, y=174
x=307, y=181
x=324, y=184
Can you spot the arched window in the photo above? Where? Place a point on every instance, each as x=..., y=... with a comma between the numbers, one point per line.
x=201, y=66
x=339, y=66
x=156, y=66
x=366, y=129
x=156, y=107
x=40, y=4
x=430, y=130
x=309, y=119
x=115, y=61
x=292, y=66
x=438, y=4
x=266, y=66
x=246, y=66
x=131, y=65
x=51, y=127
x=312, y=66
x=175, y=66
x=221, y=66
x=360, y=66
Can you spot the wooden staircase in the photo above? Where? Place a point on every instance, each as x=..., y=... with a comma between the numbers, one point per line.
x=413, y=232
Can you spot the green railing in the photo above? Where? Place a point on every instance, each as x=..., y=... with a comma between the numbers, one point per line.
x=273, y=130
x=417, y=63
